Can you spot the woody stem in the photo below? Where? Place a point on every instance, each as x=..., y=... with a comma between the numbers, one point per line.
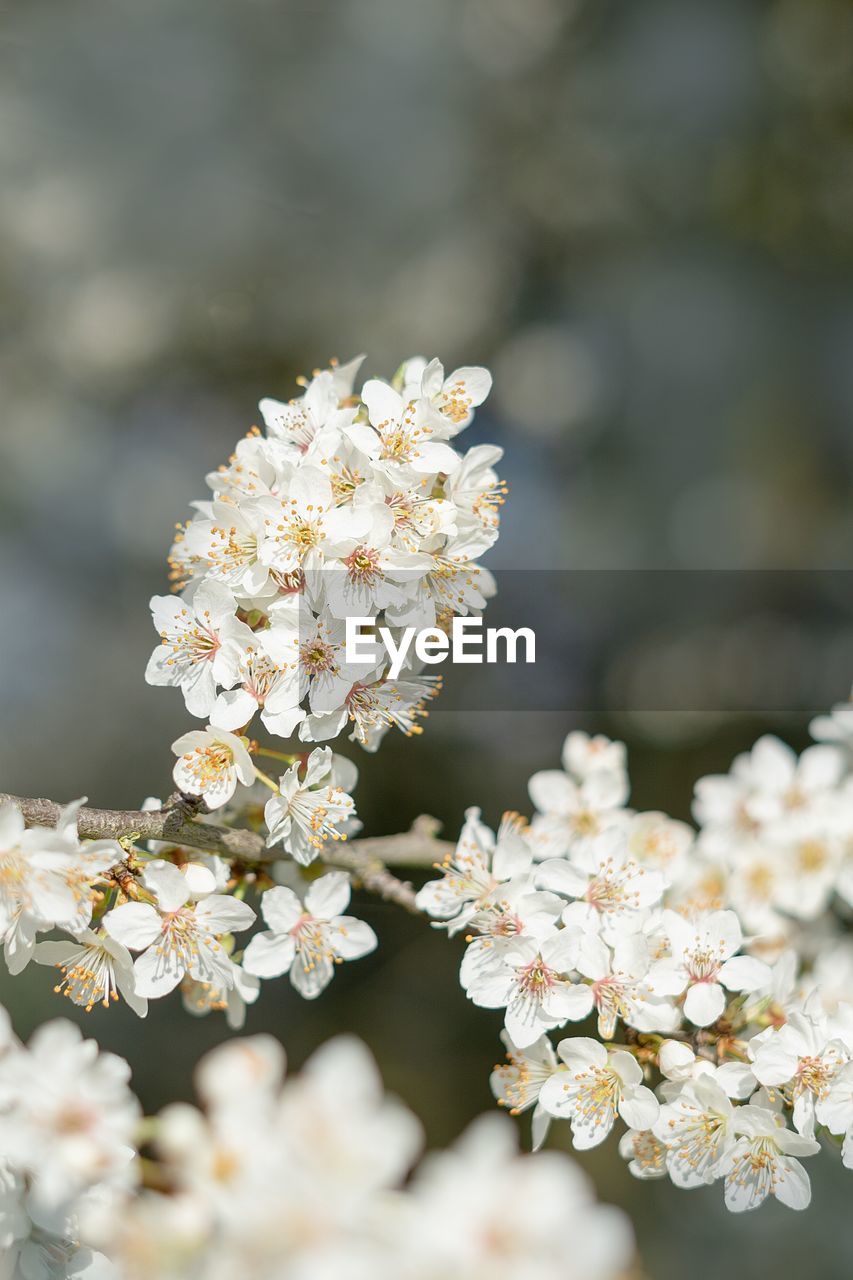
x=368, y=858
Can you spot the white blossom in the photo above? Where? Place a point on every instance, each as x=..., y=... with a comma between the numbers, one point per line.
x=192, y=631
x=480, y=864
x=481, y=1210
x=517, y=1083
x=612, y=888
x=696, y=1126
x=703, y=963
x=211, y=762
x=835, y=1110
x=313, y=806
x=763, y=1162
x=95, y=968
x=47, y=880
x=598, y=1085
x=532, y=981
x=177, y=936
x=307, y=939
x=801, y=1056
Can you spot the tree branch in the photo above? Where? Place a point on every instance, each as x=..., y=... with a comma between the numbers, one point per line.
x=367, y=858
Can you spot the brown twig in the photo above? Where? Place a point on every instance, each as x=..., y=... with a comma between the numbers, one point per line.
x=367, y=858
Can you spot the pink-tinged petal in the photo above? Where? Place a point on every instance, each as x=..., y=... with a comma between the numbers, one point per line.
x=667, y=978
x=792, y=1186
x=329, y=896
x=234, y=708
x=281, y=908
x=200, y=879
x=553, y=792
x=135, y=924
x=220, y=913
x=156, y=973
x=558, y=876
x=491, y=988
x=581, y=1052
x=704, y=1003
x=269, y=955
x=523, y=1022
x=745, y=973
x=640, y=1108
x=568, y=1002
x=384, y=405
x=554, y=1097
x=311, y=980
x=774, y=1063
x=477, y=383
x=352, y=938
x=627, y=1069
x=432, y=457
x=165, y=881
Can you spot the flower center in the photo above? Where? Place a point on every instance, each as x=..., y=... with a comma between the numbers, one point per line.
x=363, y=565
x=536, y=979
x=206, y=765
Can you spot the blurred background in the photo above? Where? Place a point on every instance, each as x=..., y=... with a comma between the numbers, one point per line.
x=639, y=216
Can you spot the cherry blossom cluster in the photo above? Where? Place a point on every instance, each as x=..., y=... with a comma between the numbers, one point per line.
x=346, y=505
x=138, y=922
x=775, y=838
x=68, y=1131
x=714, y=962
x=308, y=1176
